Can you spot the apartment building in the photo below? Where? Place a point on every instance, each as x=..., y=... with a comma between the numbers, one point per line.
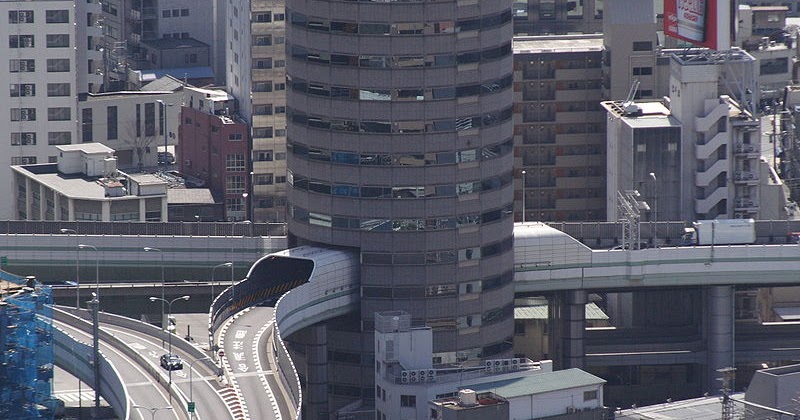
x=255, y=75
x=215, y=149
x=134, y=124
x=559, y=130
x=557, y=17
x=49, y=48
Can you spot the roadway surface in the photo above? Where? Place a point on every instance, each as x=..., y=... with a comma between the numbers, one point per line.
x=142, y=388
x=204, y=387
x=244, y=339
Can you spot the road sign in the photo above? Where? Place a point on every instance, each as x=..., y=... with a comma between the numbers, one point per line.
x=190, y=407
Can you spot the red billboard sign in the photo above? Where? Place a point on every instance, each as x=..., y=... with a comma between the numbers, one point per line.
x=695, y=21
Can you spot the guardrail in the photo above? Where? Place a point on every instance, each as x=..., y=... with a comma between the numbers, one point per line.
x=71, y=315
x=68, y=356
x=30, y=227
x=149, y=329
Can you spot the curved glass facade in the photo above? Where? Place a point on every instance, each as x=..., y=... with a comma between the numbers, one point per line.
x=399, y=121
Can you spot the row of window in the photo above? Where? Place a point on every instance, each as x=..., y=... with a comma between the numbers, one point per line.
x=29, y=114
x=402, y=225
x=27, y=16
x=28, y=65
x=406, y=28
x=29, y=41
x=437, y=290
x=400, y=127
x=400, y=61
x=441, y=158
x=424, y=191
x=54, y=138
x=436, y=257
x=406, y=94
x=174, y=13
x=17, y=90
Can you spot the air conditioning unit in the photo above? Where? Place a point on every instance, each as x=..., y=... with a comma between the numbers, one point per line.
x=572, y=410
x=431, y=375
x=515, y=364
x=404, y=380
x=489, y=365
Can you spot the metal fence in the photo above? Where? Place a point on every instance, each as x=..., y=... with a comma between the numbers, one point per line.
x=26, y=227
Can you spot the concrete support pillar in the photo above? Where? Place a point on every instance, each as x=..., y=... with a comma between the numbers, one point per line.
x=105, y=211
x=317, y=374
x=574, y=321
x=720, y=333
x=70, y=209
x=56, y=205
x=42, y=202
x=164, y=210
x=142, y=209
x=28, y=199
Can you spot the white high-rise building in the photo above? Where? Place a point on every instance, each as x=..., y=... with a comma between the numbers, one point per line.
x=50, y=54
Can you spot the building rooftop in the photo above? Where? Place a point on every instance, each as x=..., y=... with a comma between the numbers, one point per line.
x=175, y=43
x=651, y=114
x=202, y=72
x=88, y=148
x=189, y=196
x=166, y=83
x=538, y=383
x=557, y=43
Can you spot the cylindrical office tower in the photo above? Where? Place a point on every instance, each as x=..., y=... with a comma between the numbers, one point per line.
x=400, y=145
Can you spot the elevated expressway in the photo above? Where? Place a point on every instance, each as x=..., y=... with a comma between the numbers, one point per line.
x=130, y=371
x=311, y=284
x=315, y=284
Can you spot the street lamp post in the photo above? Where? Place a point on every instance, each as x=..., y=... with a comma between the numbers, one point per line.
x=150, y=249
x=94, y=305
x=213, y=280
x=77, y=269
x=655, y=208
x=152, y=410
x=523, y=196
x=169, y=330
x=191, y=399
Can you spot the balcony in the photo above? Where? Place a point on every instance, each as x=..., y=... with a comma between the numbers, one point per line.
x=745, y=177
x=747, y=150
x=747, y=205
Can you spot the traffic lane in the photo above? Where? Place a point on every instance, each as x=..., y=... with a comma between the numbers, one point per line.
x=264, y=349
x=142, y=388
x=208, y=402
x=241, y=350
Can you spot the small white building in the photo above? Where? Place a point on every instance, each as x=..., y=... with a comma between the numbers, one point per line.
x=408, y=384
x=84, y=184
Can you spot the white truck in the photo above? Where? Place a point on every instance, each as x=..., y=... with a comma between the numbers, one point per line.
x=721, y=232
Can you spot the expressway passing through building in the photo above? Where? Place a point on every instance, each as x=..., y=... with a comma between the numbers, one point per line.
x=245, y=342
